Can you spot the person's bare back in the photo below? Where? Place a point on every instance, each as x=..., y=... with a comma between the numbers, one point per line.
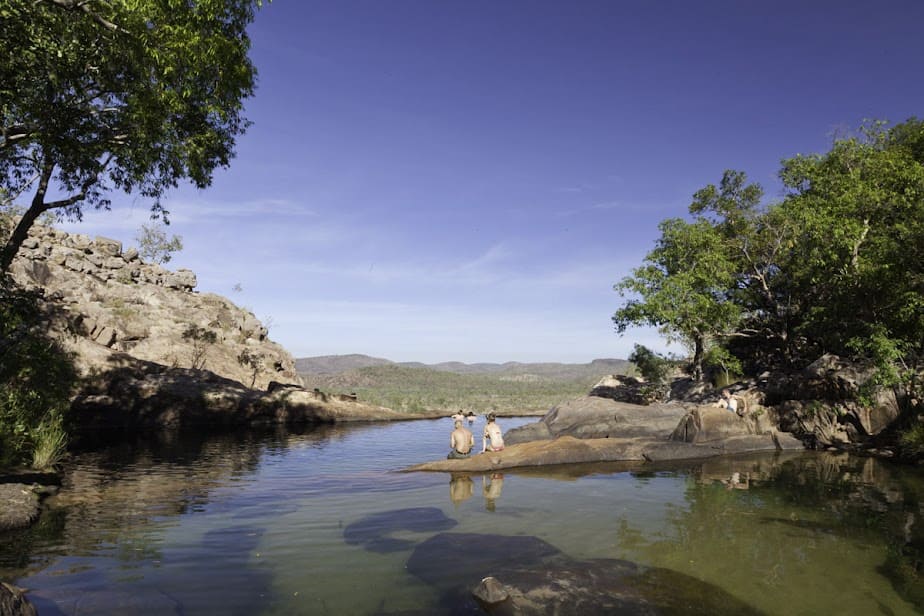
x=461, y=440
x=493, y=433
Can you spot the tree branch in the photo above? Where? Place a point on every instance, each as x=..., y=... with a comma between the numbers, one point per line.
x=73, y=5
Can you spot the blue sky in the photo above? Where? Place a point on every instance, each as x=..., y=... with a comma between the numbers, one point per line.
x=433, y=181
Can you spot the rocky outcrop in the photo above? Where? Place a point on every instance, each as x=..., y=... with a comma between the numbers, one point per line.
x=132, y=394
x=594, y=429
x=13, y=601
x=623, y=388
x=110, y=301
x=824, y=404
x=595, y=417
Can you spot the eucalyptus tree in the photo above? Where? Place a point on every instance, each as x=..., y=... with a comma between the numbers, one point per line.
x=683, y=288
x=130, y=95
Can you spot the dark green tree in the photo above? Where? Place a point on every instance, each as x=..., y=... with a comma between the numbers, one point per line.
x=683, y=288
x=102, y=96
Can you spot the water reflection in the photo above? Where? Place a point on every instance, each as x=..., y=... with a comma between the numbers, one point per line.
x=491, y=487
x=180, y=515
x=461, y=488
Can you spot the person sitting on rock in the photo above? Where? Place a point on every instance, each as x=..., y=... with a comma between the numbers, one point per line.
x=728, y=401
x=493, y=433
x=461, y=441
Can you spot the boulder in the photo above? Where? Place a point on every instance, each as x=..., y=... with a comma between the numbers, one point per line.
x=20, y=506
x=106, y=246
x=705, y=424
x=595, y=417
x=13, y=601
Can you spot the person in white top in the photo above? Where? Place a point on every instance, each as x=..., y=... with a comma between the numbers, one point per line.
x=729, y=401
x=492, y=433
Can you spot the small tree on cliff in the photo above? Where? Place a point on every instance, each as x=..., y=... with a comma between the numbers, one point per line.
x=101, y=96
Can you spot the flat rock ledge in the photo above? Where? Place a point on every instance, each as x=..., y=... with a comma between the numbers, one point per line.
x=571, y=450
x=599, y=430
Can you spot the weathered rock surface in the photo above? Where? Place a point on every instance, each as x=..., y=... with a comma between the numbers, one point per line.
x=20, y=506
x=13, y=602
x=529, y=576
x=595, y=429
x=109, y=301
x=570, y=450
x=595, y=417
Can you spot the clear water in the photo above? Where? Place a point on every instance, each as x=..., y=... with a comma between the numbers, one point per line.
x=254, y=524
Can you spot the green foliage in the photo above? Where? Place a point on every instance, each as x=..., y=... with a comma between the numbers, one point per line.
x=718, y=357
x=836, y=266
x=251, y=361
x=50, y=442
x=132, y=96
x=682, y=289
x=36, y=380
x=912, y=440
x=654, y=367
x=154, y=246
x=201, y=339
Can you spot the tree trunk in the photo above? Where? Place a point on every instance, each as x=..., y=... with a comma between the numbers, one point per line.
x=21, y=231
x=699, y=350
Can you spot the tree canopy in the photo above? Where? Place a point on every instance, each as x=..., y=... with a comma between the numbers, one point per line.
x=119, y=95
x=834, y=266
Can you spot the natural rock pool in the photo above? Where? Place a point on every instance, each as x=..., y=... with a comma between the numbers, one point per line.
x=320, y=522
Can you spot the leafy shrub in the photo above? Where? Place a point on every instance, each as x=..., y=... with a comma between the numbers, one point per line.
x=36, y=380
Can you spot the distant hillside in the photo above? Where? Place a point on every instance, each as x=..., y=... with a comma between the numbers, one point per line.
x=336, y=364
x=451, y=386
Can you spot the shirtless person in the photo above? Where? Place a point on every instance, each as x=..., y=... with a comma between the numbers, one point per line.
x=492, y=432
x=461, y=441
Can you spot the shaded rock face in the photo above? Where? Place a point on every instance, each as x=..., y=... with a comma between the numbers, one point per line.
x=525, y=575
x=131, y=394
x=372, y=532
x=595, y=417
x=623, y=388
x=112, y=301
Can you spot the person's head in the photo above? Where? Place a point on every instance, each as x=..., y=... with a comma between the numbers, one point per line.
x=458, y=423
x=470, y=414
x=491, y=417
x=726, y=393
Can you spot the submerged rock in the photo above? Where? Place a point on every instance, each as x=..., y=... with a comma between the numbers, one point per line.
x=523, y=575
x=372, y=532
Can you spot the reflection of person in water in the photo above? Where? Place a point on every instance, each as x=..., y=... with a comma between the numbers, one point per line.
x=737, y=482
x=491, y=489
x=461, y=488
